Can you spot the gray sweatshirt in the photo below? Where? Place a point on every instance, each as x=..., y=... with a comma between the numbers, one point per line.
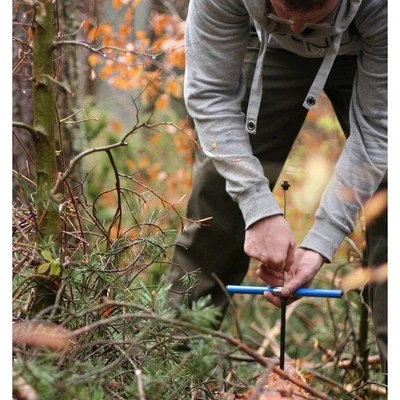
x=217, y=33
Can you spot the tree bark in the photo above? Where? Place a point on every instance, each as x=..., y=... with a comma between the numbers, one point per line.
x=45, y=119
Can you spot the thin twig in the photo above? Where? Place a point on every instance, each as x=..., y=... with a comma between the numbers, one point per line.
x=331, y=381
x=139, y=377
x=27, y=127
x=118, y=211
x=231, y=304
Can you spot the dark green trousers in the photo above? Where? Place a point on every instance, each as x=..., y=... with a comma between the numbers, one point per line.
x=218, y=248
x=376, y=294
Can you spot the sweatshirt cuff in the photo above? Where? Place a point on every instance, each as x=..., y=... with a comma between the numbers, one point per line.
x=324, y=238
x=256, y=203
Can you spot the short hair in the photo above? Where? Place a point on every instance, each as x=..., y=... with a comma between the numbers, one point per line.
x=304, y=5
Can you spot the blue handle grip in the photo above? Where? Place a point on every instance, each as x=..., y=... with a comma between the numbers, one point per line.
x=301, y=292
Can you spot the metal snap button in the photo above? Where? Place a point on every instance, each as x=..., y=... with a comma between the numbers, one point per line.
x=311, y=100
x=251, y=126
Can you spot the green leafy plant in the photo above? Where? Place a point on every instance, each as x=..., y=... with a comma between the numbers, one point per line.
x=52, y=264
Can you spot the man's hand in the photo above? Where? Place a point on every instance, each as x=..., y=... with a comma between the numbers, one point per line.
x=271, y=242
x=305, y=267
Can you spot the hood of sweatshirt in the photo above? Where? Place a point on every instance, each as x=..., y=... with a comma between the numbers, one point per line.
x=324, y=43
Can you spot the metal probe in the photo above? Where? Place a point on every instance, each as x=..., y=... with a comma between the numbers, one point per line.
x=301, y=292
x=285, y=186
x=283, y=334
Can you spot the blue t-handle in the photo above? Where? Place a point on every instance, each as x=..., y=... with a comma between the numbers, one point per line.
x=301, y=292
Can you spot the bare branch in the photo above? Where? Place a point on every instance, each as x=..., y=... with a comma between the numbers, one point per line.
x=27, y=127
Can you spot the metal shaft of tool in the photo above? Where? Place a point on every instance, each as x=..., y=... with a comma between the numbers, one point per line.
x=283, y=334
x=285, y=186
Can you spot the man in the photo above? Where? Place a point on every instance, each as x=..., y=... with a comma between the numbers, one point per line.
x=305, y=46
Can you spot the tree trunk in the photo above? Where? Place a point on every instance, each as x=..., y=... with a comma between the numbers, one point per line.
x=44, y=142
x=45, y=119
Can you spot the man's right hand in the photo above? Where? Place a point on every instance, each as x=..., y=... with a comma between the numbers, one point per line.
x=271, y=242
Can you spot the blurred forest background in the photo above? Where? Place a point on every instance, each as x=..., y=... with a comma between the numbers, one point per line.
x=102, y=154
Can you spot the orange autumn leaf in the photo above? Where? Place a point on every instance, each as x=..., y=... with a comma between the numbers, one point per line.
x=153, y=171
x=125, y=29
x=116, y=126
x=155, y=139
x=162, y=102
x=121, y=83
x=159, y=22
x=93, y=34
x=108, y=41
x=127, y=59
x=177, y=58
x=93, y=59
x=150, y=93
x=128, y=14
x=141, y=35
x=108, y=198
x=105, y=29
x=144, y=162
x=106, y=71
x=180, y=143
x=86, y=25
x=99, y=31
x=131, y=164
x=173, y=86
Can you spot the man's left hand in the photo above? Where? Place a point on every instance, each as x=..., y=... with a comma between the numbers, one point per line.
x=305, y=267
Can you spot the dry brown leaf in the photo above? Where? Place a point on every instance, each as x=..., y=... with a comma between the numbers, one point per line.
x=41, y=335
x=23, y=391
x=376, y=206
x=361, y=276
x=107, y=310
x=372, y=360
x=274, y=387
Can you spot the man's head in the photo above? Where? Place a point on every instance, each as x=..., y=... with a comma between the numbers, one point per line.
x=300, y=14
x=304, y=5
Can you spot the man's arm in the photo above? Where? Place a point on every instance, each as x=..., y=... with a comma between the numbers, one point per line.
x=216, y=39
x=363, y=162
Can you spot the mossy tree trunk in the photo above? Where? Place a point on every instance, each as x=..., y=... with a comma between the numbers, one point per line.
x=44, y=120
x=44, y=140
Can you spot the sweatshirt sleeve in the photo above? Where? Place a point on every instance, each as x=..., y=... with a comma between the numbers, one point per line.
x=363, y=162
x=216, y=37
